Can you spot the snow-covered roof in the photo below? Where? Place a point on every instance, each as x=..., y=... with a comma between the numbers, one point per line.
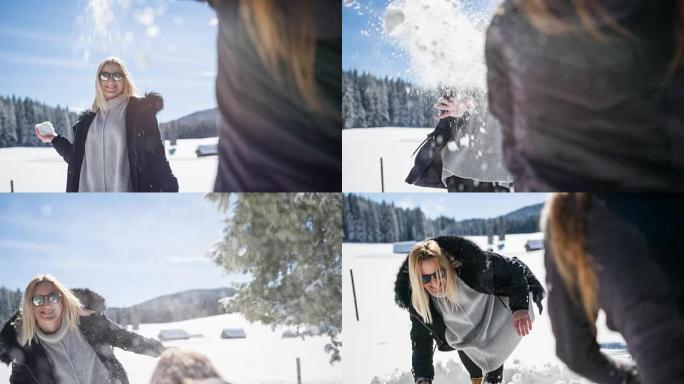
x=233, y=333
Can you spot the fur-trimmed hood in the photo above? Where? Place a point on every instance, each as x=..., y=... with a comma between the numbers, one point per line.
x=151, y=101
x=91, y=301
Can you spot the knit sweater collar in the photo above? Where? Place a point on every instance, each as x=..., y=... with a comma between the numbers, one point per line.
x=115, y=102
x=54, y=337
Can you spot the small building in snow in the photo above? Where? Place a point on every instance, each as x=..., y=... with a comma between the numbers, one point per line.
x=403, y=246
x=233, y=333
x=173, y=334
x=206, y=150
x=534, y=245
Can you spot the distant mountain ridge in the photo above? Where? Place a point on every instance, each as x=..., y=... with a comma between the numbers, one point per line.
x=197, y=125
x=174, y=307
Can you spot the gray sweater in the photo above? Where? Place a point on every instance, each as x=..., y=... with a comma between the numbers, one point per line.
x=105, y=165
x=475, y=151
x=480, y=326
x=72, y=358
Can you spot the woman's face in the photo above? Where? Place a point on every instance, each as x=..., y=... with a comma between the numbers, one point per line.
x=436, y=285
x=48, y=315
x=111, y=88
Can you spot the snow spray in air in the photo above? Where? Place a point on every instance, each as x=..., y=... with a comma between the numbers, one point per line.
x=100, y=30
x=96, y=23
x=443, y=39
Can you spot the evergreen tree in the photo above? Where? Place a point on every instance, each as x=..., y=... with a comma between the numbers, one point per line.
x=290, y=244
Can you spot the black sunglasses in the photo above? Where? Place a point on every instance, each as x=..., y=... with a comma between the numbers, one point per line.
x=116, y=76
x=51, y=298
x=438, y=274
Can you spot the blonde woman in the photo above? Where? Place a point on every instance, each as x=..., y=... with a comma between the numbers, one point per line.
x=117, y=145
x=61, y=336
x=589, y=93
x=465, y=299
x=279, y=95
x=619, y=253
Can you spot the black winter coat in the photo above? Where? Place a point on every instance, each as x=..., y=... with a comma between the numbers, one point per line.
x=269, y=141
x=30, y=365
x=150, y=171
x=486, y=272
x=427, y=169
x=579, y=114
x=631, y=240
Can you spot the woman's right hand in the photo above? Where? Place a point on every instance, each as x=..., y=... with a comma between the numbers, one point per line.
x=44, y=138
x=522, y=322
x=453, y=108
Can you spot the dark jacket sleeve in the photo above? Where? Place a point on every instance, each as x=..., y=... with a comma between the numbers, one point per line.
x=499, y=90
x=116, y=336
x=156, y=156
x=511, y=274
x=421, y=345
x=489, y=272
x=63, y=147
x=576, y=343
x=20, y=374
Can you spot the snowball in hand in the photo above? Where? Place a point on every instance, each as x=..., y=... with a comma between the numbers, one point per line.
x=46, y=128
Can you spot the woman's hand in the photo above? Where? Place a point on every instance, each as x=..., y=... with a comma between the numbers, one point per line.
x=453, y=108
x=44, y=138
x=522, y=322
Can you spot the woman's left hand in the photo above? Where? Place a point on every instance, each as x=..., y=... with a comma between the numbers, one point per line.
x=522, y=322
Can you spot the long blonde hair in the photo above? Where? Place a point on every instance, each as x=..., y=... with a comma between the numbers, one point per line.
x=589, y=12
x=286, y=47
x=422, y=251
x=71, y=308
x=564, y=222
x=129, y=89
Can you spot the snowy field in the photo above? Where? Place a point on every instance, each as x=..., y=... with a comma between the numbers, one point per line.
x=261, y=358
x=362, y=149
x=43, y=170
x=377, y=348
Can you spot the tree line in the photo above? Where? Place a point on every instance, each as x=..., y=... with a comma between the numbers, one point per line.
x=367, y=221
x=369, y=101
x=9, y=303
x=19, y=116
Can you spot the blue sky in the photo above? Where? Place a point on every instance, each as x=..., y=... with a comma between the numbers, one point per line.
x=461, y=206
x=127, y=247
x=50, y=49
x=364, y=47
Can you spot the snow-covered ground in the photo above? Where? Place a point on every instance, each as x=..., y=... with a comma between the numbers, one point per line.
x=261, y=358
x=362, y=149
x=377, y=348
x=43, y=170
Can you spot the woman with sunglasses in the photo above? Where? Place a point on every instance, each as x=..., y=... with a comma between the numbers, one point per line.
x=117, y=146
x=465, y=299
x=61, y=336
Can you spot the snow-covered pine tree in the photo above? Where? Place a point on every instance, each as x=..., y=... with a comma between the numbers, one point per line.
x=290, y=244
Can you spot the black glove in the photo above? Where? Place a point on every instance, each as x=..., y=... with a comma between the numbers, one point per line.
x=538, y=294
x=423, y=380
